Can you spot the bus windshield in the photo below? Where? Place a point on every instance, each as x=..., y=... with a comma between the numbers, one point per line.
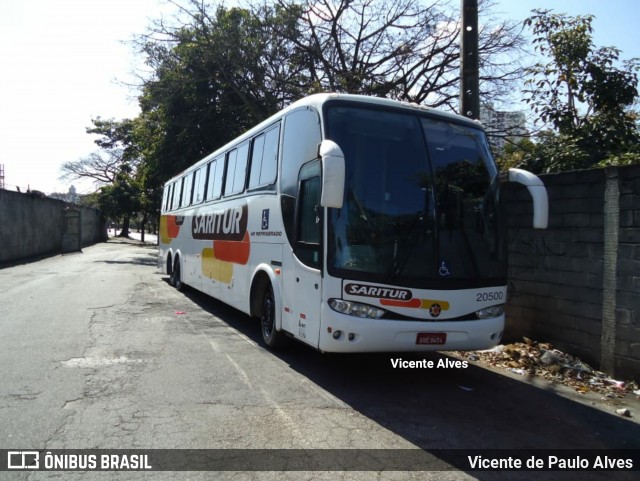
x=421, y=201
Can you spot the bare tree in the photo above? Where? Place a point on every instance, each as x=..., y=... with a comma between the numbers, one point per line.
x=404, y=49
x=102, y=167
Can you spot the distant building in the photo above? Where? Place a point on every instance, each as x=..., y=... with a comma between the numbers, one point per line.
x=502, y=126
x=71, y=196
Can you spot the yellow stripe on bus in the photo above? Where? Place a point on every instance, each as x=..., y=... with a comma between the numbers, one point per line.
x=215, y=268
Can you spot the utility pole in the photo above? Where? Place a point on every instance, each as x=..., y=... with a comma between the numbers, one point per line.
x=469, y=65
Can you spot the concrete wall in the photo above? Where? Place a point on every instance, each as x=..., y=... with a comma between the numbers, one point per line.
x=577, y=284
x=93, y=226
x=32, y=225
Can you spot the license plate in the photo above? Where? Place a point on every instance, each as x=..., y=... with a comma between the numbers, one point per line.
x=431, y=338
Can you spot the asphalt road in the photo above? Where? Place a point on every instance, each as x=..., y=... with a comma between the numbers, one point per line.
x=98, y=351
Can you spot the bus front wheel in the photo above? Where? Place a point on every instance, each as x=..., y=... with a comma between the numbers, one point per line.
x=273, y=338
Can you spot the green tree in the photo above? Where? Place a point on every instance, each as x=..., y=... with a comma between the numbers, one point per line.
x=515, y=154
x=121, y=199
x=215, y=76
x=582, y=93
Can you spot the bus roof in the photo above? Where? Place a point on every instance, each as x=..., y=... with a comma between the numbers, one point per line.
x=317, y=101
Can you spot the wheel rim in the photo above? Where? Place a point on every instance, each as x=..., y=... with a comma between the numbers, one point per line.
x=268, y=312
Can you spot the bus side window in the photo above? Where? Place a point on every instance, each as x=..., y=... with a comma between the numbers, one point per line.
x=170, y=198
x=214, y=182
x=199, y=178
x=232, y=160
x=236, y=170
x=256, y=161
x=187, y=184
x=309, y=221
x=177, y=194
x=165, y=198
x=264, y=159
x=269, y=169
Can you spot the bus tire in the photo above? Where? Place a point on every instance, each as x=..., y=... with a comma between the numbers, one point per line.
x=273, y=338
x=170, y=271
x=176, y=276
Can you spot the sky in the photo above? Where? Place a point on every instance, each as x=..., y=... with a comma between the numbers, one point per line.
x=65, y=62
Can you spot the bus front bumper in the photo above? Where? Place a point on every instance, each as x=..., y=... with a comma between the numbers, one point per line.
x=343, y=333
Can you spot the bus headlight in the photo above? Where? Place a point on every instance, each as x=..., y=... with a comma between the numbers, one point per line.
x=490, y=312
x=356, y=309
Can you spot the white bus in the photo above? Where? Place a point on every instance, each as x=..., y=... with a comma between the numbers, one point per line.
x=350, y=223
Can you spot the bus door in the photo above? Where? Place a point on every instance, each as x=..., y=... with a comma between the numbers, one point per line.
x=308, y=255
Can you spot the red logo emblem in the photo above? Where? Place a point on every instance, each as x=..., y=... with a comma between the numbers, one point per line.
x=435, y=310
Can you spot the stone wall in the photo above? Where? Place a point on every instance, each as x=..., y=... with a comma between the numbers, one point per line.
x=577, y=283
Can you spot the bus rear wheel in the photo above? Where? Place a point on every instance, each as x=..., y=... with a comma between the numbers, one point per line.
x=176, y=277
x=273, y=338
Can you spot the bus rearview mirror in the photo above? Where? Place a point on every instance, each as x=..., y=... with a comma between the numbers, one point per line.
x=538, y=194
x=333, y=174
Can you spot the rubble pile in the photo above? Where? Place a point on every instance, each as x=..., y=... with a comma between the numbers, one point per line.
x=531, y=358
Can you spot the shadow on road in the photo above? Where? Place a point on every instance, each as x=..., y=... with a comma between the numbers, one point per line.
x=150, y=258
x=471, y=408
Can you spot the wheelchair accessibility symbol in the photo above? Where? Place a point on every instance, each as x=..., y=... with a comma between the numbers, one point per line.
x=444, y=270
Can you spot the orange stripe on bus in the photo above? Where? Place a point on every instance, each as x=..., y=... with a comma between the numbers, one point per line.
x=413, y=303
x=236, y=252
